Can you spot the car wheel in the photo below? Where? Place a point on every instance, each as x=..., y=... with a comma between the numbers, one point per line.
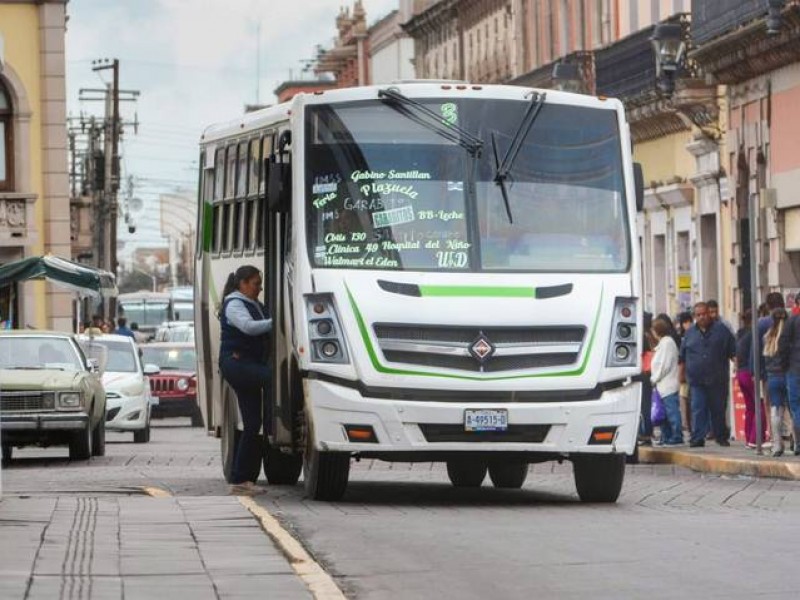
x=466, y=473
x=197, y=417
x=325, y=474
x=599, y=477
x=7, y=453
x=80, y=444
x=99, y=439
x=143, y=435
x=282, y=468
x=510, y=475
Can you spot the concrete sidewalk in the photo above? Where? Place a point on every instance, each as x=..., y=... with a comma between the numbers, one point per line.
x=138, y=547
x=734, y=460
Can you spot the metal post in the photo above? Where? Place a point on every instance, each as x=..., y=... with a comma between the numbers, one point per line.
x=756, y=343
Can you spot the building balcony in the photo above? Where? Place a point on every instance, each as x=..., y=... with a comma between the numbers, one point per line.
x=732, y=43
x=542, y=77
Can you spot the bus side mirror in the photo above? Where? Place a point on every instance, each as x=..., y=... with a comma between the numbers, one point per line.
x=279, y=186
x=638, y=183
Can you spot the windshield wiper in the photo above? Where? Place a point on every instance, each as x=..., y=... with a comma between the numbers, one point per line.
x=503, y=169
x=421, y=114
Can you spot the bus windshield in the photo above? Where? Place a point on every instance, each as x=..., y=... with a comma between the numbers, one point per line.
x=145, y=312
x=385, y=192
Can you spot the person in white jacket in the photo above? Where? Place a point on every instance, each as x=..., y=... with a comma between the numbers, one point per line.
x=664, y=377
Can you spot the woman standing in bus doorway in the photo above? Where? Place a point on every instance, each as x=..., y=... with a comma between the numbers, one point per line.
x=243, y=346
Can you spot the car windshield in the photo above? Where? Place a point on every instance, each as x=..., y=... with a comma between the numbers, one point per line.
x=385, y=192
x=119, y=357
x=171, y=358
x=17, y=352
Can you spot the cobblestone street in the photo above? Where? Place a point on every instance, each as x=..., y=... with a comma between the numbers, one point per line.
x=402, y=530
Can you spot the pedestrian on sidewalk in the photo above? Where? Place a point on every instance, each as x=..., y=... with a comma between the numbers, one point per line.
x=789, y=350
x=645, y=420
x=776, y=377
x=685, y=321
x=242, y=361
x=704, y=361
x=744, y=377
x=664, y=377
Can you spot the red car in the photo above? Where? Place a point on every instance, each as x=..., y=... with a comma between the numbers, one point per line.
x=175, y=385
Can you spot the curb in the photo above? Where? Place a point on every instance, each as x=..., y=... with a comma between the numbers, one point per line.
x=319, y=582
x=722, y=465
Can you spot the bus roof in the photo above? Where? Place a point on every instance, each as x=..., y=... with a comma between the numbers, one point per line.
x=260, y=119
x=143, y=295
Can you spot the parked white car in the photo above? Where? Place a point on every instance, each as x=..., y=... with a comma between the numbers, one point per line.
x=126, y=381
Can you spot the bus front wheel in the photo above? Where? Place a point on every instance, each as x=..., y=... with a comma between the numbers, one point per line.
x=598, y=477
x=325, y=474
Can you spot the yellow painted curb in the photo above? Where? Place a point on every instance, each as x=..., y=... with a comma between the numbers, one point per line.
x=720, y=464
x=319, y=582
x=156, y=492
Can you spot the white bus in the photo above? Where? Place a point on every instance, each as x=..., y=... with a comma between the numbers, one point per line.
x=453, y=274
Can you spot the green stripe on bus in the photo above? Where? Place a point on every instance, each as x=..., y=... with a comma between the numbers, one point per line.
x=378, y=366
x=466, y=291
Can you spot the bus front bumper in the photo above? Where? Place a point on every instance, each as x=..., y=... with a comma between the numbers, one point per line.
x=407, y=426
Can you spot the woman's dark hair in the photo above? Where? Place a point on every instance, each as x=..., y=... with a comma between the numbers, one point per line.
x=671, y=331
x=241, y=274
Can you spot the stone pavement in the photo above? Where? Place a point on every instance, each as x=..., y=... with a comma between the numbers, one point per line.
x=81, y=546
x=734, y=460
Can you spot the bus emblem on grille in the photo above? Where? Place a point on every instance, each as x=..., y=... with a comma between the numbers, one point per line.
x=481, y=348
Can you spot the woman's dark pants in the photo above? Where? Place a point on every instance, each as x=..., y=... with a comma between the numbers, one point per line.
x=250, y=380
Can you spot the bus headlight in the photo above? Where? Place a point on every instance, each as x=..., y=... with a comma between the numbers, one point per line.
x=324, y=330
x=623, y=345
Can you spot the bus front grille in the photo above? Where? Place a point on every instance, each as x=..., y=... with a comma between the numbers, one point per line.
x=482, y=350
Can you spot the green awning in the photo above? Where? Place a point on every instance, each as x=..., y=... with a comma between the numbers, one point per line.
x=81, y=279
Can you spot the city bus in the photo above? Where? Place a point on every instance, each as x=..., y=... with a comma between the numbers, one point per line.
x=147, y=309
x=453, y=275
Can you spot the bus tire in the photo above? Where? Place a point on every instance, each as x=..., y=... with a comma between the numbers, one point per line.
x=229, y=434
x=599, y=477
x=508, y=475
x=325, y=474
x=282, y=468
x=466, y=473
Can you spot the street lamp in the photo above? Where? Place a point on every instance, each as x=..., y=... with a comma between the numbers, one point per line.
x=774, y=17
x=567, y=77
x=669, y=47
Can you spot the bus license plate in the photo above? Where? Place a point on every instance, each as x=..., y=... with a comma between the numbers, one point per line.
x=486, y=420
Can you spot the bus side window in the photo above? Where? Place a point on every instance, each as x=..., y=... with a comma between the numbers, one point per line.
x=237, y=223
x=230, y=175
x=226, y=227
x=219, y=174
x=255, y=163
x=241, y=185
x=215, y=237
x=266, y=153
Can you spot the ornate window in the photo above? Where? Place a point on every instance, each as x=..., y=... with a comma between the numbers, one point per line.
x=6, y=141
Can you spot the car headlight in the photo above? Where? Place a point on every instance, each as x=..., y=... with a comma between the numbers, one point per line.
x=183, y=384
x=69, y=400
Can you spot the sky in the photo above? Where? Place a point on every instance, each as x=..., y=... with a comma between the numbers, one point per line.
x=194, y=63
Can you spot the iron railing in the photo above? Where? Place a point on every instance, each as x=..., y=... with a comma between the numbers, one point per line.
x=711, y=20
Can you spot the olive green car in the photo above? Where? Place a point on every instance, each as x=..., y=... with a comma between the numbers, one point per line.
x=50, y=394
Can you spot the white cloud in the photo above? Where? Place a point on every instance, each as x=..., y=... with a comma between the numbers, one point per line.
x=194, y=62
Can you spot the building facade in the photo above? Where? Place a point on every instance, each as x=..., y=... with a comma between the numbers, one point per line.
x=391, y=50
x=754, y=52
x=34, y=187
x=476, y=40
x=348, y=59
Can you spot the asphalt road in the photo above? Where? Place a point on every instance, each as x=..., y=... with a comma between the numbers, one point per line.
x=403, y=532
